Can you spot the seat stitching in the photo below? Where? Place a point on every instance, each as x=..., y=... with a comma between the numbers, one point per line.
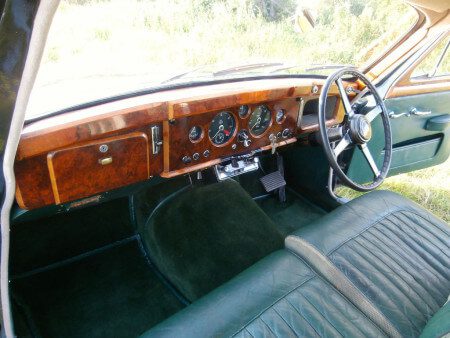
x=395, y=258
x=273, y=303
x=303, y=316
x=428, y=257
x=321, y=314
x=282, y=318
x=399, y=287
x=261, y=318
x=409, y=226
x=363, y=258
x=371, y=225
x=419, y=251
x=400, y=240
x=405, y=213
x=354, y=307
x=413, y=264
x=246, y=329
x=422, y=237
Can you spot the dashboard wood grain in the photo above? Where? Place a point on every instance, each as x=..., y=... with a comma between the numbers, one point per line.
x=40, y=181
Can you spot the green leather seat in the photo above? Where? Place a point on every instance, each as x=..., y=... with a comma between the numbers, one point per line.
x=392, y=252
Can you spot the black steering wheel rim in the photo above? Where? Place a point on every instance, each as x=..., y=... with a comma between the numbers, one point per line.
x=351, y=136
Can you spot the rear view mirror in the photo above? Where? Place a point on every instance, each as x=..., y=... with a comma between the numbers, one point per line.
x=304, y=20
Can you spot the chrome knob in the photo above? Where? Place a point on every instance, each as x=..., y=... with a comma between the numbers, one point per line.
x=244, y=138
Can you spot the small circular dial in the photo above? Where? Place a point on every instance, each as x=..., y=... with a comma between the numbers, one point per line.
x=259, y=120
x=195, y=134
x=222, y=128
x=281, y=115
x=243, y=111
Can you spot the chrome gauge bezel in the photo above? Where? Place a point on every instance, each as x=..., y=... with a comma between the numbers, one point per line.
x=196, y=140
x=232, y=132
x=244, y=111
x=267, y=127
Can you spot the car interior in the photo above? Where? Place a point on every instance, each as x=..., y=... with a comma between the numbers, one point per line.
x=210, y=210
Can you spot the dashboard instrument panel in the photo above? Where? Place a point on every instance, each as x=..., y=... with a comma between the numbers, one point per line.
x=165, y=134
x=223, y=129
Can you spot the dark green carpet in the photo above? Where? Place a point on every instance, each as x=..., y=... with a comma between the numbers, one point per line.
x=48, y=240
x=205, y=235
x=110, y=294
x=291, y=215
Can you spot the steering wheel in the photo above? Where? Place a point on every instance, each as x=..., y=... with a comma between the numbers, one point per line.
x=356, y=129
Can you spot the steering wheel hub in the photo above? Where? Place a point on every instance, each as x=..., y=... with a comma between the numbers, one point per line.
x=360, y=129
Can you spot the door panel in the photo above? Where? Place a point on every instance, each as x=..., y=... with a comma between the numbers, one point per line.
x=418, y=141
x=420, y=104
x=414, y=145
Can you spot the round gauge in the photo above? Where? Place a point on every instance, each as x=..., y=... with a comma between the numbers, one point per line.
x=195, y=134
x=243, y=111
x=281, y=115
x=222, y=128
x=259, y=120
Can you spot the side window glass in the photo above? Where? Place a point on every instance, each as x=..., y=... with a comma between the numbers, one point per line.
x=435, y=64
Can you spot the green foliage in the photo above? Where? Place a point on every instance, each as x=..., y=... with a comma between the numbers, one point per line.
x=138, y=43
x=427, y=66
x=428, y=187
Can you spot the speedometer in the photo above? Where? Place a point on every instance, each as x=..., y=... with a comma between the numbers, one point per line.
x=260, y=120
x=222, y=128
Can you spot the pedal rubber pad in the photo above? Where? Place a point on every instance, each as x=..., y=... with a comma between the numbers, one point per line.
x=273, y=181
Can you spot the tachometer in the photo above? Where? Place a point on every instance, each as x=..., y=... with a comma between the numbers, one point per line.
x=259, y=120
x=222, y=128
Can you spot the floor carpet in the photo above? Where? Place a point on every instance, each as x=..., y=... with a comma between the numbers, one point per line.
x=292, y=214
x=112, y=293
x=206, y=235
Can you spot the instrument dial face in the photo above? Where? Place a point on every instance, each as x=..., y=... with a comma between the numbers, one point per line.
x=243, y=111
x=281, y=115
x=195, y=134
x=222, y=128
x=259, y=120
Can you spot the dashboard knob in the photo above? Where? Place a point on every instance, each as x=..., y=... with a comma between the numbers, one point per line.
x=286, y=133
x=247, y=143
x=186, y=159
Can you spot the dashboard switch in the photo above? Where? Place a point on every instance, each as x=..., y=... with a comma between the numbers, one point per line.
x=206, y=153
x=244, y=138
x=286, y=133
x=196, y=156
x=186, y=159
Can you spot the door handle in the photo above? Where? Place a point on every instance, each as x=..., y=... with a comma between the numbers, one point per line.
x=412, y=111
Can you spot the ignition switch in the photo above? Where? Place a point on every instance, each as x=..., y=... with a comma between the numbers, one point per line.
x=244, y=138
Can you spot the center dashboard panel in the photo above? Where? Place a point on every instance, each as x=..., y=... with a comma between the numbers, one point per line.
x=206, y=139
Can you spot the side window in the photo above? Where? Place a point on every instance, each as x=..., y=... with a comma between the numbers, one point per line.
x=435, y=64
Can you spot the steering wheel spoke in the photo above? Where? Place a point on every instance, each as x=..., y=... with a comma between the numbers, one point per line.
x=371, y=115
x=368, y=155
x=342, y=144
x=344, y=97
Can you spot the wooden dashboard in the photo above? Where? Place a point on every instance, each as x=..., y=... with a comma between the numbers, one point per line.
x=89, y=151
